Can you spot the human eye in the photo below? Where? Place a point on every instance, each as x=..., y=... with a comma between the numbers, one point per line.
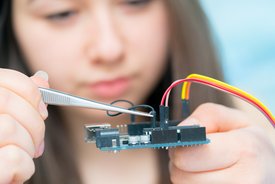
x=61, y=16
x=136, y=2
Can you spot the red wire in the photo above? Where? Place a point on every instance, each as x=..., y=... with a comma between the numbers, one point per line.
x=219, y=87
x=170, y=88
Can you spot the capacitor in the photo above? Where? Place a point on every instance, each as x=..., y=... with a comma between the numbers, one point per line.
x=134, y=139
x=145, y=139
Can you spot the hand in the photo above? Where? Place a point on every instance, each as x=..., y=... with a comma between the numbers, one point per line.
x=22, y=115
x=239, y=151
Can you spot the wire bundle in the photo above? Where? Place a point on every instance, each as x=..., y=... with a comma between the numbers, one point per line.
x=204, y=80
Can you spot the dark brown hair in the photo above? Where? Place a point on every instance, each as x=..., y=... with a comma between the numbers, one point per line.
x=191, y=51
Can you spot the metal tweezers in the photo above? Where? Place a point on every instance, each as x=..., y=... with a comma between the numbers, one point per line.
x=54, y=97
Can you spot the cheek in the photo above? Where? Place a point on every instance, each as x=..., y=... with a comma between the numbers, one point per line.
x=49, y=50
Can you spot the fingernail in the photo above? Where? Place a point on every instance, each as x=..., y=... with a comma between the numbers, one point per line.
x=43, y=109
x=40, y=149
x=42, y=75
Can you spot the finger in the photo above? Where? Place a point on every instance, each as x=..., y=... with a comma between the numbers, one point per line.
x=24, y=113
x=178, y=176
x=41, y=78
x=238, y=174
x=23, y=86
x=12, y=133
x=224, y=151
x=217, y=118
x=15, y=165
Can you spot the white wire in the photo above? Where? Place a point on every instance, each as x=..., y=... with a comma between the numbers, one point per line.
x=168, y=94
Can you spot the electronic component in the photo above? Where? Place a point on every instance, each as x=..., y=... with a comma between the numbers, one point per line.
x=108, y=137
x=160, y=134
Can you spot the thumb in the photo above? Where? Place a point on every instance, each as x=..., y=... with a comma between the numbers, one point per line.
x=217, y=118
x=41, y=78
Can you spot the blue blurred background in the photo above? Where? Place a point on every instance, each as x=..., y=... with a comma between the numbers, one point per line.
x=244, y=32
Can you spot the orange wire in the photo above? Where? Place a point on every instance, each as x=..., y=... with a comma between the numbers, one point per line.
x=221, y=86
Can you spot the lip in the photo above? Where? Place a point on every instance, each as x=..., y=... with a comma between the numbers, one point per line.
x=110, y=89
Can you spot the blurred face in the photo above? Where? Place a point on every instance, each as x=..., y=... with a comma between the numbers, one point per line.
x=99, y=49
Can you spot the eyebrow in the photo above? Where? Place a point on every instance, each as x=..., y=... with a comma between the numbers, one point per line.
x=32, y=1
x=35, y=3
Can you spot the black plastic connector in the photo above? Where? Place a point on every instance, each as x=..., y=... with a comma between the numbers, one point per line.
x=192, y=133
x=160, y=136
x=185, y=109
x=107, y=138
x=164, y=117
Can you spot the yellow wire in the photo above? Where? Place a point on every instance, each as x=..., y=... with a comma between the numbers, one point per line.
x=186, y=89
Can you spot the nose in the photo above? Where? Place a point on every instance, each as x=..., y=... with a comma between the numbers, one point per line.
x=108, y=48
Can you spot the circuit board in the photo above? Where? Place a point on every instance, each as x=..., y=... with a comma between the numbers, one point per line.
x=162, y=134
x=140, y=135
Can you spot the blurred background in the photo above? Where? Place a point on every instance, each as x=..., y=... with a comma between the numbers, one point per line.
x=244, y=32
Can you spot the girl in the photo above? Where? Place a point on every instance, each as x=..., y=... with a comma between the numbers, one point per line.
x=107, y=50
